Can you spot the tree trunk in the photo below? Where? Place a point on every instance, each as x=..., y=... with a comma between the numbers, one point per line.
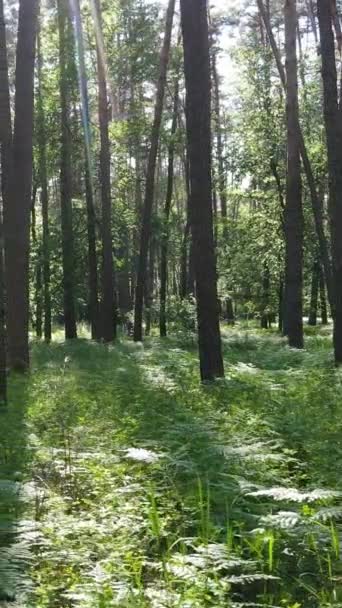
x=316, y=271
x=108, y=308
x=39, y=299
x=333, y=128
x=221, y=168
x=323, y=300
x=91, y=220
x=281, y=306
x=65, y=46
x=92, y=259
x=17, y=211
x=43, y=180
x=166, y=229
x=6, y=143
x=124, y=294
x=187, y=261
x=184, y=262
x=265, y=314
x=149, y=286
x=5, y=109
x=150, y=176
x=316, y=202
x=294, y=222
x=230, y=316
x=197, y=80
x=3, y=356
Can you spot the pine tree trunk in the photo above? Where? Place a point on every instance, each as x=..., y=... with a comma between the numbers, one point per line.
x=91, y=220
x=316, y=271
x=6, y=144
x=5, y=110
x=323, y=300
x=150, y=176
x=187, y=283
x=230, y=316
x=265, y=315
x=333, y=128
x=221, y=168
x=92, y=259
x=294, y=222
x=18, y=204
x=184, y=262
x=167, y=209
x=39, y=293
x=65, y=49
x=281, y=306
x=43, y=180
x=124, y=293
x=149, y=286
x=108, y=307
x=197, y=80
x=3, y=355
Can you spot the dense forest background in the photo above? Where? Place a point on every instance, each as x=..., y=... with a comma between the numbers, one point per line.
x=170, y=304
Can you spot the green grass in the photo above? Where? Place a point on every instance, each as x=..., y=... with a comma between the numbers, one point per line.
x=124, y=482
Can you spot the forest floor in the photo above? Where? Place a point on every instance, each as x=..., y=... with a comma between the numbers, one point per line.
x=124, y=482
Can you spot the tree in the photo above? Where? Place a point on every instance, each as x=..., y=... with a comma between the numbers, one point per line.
x=65, y=55
x=43, y=179
x=294, y=222
x=91, y=219
x=150, y=176
x=316, y=272
x=220, y=146
x=333, y=129
x=167, y=209
x=197, y=80
x=108, y=311
x=316, y=201
x=5, y=106
x=18, y=199
x=6, y=143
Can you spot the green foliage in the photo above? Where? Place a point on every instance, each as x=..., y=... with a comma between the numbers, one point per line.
x=140, y=487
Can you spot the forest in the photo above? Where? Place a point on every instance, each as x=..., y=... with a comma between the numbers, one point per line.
x=170, y=303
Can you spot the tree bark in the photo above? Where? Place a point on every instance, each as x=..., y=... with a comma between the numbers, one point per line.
x=265, y=315
x=230, y=316
x=187, y=282
x=108, y=307
x=219, y=140
x=17, y=211
x=316, y=271
x=281, y=306
x=43, y=180
x=92, y=258
x=197, y=79
x=39, y=299
x=3, y=354
x=167, y=209
x=150, y=176
x=333, y=128
x=293, y=216
x=323, y=300
x=65, y=45
x=5, y=108
x=91, y=219
x=6, y=144
x=149, y=286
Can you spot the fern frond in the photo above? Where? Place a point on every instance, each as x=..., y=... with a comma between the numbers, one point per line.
x=294, y=495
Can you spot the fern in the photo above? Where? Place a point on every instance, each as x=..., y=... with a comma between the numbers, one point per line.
x=294, y=495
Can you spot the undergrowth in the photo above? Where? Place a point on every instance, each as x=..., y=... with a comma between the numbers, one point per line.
x=124, y=482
